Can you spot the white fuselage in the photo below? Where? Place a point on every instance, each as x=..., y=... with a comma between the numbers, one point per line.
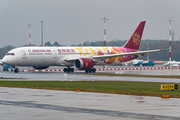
x=172, y=64
x=63, y=56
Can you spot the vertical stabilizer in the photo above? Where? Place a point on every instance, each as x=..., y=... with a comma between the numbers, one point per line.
x=135, y=39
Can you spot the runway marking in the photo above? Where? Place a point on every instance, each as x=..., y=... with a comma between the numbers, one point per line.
x=104, y=69
x=32, y=104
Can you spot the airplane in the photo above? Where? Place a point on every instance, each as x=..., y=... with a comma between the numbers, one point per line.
x=83, y=58
x=1, y=63
x=172, y=63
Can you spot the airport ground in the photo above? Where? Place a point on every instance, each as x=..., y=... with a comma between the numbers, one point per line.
x=21, y=103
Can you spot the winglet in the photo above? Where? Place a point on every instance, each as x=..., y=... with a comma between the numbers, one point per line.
x=135, y=39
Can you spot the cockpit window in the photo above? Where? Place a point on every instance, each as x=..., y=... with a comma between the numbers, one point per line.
x=10, y=54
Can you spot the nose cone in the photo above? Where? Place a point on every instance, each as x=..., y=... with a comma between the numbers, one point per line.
x=5, y=60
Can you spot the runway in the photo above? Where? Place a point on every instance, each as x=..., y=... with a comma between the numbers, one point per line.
x=20, y=104
x=53, y=76
x=77, y=76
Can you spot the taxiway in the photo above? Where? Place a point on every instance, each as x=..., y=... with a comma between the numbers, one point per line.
x=21, y=103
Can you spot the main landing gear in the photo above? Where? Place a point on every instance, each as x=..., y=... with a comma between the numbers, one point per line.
x=68, y=69
x=93, y=70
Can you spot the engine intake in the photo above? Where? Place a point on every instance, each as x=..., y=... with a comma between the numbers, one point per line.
x=84, y=63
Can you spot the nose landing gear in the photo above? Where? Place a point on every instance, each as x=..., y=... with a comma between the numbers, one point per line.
x=16, y=70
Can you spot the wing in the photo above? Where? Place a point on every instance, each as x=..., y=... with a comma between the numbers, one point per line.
x=70, y=58
x=102, y=57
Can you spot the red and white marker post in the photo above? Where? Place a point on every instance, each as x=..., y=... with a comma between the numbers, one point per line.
x=170, y=39
x=30, y=33
x=104, y=30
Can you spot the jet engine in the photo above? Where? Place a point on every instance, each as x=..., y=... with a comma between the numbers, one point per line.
x=40, y=67
x=84, y=63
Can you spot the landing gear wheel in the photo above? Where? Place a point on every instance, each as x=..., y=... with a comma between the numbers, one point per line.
x=72, y=69
x=65, y=69
x=86, y=71
x=68, y=69
x=93, y=70
x=16, y=70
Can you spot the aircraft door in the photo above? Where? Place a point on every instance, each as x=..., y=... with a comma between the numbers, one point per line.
x=54, y=54
x=23, y=53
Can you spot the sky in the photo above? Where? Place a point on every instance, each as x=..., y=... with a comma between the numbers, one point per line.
x=76, y=21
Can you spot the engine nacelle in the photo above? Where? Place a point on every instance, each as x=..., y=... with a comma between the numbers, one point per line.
x=40, y=67
x=84, y=63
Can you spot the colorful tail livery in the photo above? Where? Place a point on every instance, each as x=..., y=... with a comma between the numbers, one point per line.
x=83, y=58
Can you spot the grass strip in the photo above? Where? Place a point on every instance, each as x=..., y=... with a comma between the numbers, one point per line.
x=129, y=75
x=11, y=78
x=115, y=87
